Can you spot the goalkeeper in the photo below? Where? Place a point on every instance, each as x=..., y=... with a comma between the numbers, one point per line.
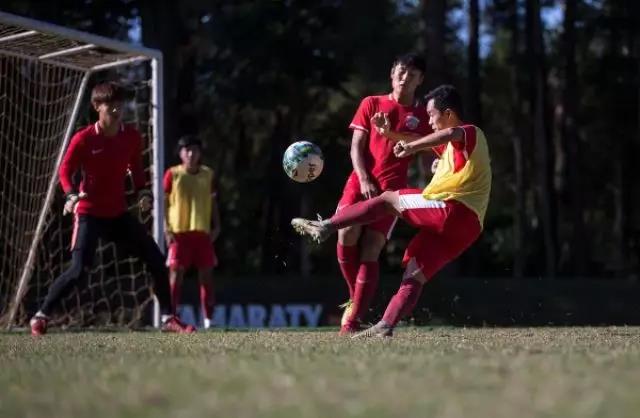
x=105, y=152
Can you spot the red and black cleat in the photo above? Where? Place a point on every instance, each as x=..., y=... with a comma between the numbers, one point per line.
x=38, y=325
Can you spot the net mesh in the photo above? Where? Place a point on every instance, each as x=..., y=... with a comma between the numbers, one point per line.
x=36, y=101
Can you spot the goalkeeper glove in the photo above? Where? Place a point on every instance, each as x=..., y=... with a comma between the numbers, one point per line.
x=71, y=202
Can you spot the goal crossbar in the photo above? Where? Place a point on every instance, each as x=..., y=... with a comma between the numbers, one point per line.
x=63, y=46
x=69, y=48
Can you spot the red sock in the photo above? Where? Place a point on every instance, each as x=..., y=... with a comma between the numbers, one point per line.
x=360, y=213
x=176, y=288
x=366, y=285
x=403, y=302
x=349, y=262
x=207, y=298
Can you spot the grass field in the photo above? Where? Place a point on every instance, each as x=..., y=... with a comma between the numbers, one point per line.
x=426, y=372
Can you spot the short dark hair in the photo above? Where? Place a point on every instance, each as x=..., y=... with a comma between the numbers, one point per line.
x=187, y=141
x=410, y=60
x=446, y=97
x=108, y=92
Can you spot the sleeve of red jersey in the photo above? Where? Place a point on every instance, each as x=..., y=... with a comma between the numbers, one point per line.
x=135, y=164
x=468, y=143
x=71, y=163
x=362, y=119
x=167, y=181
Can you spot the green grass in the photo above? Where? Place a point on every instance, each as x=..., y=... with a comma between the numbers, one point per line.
x=440, y=372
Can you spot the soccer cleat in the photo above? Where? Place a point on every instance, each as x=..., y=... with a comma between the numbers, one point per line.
x=381, y=329
x=346, y=315
x=38, y=325
x=318, y=231
x=173, y=324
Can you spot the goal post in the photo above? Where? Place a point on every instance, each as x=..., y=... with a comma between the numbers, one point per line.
x=45, y=71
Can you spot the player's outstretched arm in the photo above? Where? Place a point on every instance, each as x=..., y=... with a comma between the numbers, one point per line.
x=382, y=124
x=404, y=149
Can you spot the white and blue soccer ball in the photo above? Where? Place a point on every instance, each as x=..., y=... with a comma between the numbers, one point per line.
x=303, y=161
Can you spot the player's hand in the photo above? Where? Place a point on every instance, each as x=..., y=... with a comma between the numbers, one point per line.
x=145, y=200
x=434, y=165
x=71, y=202
x=368, y=189
x=381, y=122
x=169, y=237
x=402, y=149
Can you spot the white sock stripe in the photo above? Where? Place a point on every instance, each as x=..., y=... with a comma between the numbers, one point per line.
x=417, y=201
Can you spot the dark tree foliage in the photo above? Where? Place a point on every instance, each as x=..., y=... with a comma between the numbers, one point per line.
x=555, y=85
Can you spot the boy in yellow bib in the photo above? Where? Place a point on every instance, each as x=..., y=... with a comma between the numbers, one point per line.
x=192, y=223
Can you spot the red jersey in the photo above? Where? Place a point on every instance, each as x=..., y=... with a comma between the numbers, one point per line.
x=105, y=163
x=389, y=171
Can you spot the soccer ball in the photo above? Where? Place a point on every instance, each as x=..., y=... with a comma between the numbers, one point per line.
x=303, y=161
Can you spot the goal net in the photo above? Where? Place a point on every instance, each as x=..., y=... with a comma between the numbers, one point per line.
x=46, y=73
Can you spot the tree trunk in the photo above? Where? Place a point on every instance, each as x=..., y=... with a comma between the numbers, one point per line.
x=571, y=143
x=519, y=216
x=434, y=17
x=155, y=21
x=474, y=114
x=546, y=202
x=636, y=203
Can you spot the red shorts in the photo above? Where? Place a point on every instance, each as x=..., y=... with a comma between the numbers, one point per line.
x=351, y=194
x=192, y=248
x=447, y=228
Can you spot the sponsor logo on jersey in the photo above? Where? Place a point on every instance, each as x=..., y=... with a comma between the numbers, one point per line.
x=411, y=122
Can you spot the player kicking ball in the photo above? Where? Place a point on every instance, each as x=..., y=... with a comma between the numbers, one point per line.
x=448, y=213
x=192, y=224
x=105, y=152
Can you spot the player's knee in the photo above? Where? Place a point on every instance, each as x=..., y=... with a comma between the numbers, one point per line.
x=414, y=271
x=387, y=195
x=75, y=271
x=349, y=235
x=372, y=244
x=391, y=201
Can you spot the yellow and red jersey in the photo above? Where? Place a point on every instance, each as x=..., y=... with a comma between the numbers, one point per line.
x=189, y=197
x=464, y=172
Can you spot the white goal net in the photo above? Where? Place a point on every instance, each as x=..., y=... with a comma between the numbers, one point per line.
x=46, y=73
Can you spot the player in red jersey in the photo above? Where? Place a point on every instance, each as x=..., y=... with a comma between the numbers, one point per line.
x=375, y=170
x=105, y=152
x=449, y=212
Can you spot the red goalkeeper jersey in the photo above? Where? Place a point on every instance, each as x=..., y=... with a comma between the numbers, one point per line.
x=104, y=163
